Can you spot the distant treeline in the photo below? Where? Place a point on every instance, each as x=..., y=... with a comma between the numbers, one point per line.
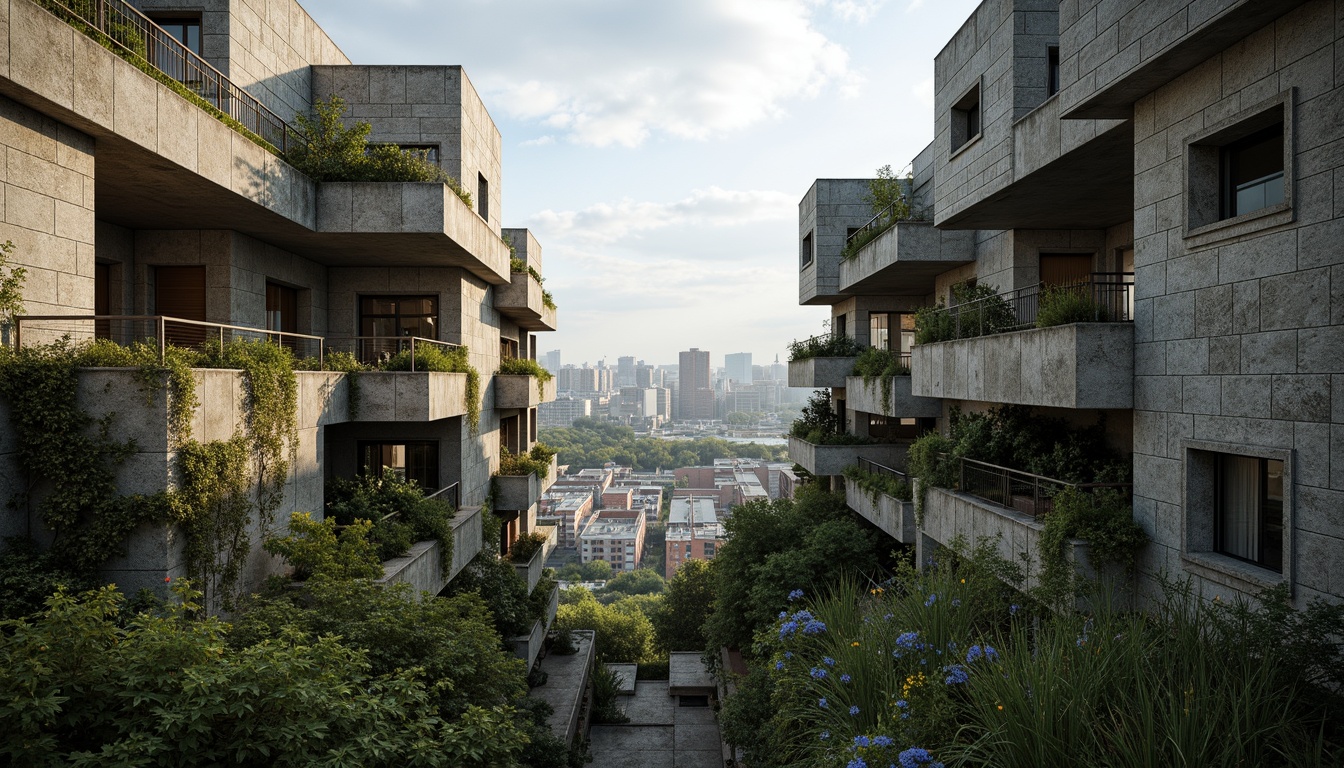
x=589, y=444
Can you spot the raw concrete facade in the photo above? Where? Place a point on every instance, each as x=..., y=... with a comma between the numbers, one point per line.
x=1231, y=340
x=110, y=176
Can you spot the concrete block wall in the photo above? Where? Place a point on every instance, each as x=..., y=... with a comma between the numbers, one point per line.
x=47, y=209
x=829, y=209
x=424, y=105
x=1240, y=340
x=264, y=46
x=1001, y=49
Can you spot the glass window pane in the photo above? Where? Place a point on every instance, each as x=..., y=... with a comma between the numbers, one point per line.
x=377, y=305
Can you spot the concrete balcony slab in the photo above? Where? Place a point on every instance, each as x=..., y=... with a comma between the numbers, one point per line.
x=894, y=517
x=816, y=372
x=517, y=391
x=898, y=402
x=905, y=260
x=528, y=647
x=421, y=567
x=1083, y=365
x=566, y=685
x=405, y=396
x=521, y=300
x=824, y=460
x=467, y=535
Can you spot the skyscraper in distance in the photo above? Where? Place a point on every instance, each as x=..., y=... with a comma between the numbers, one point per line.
x=696, y=399
x=738, y=367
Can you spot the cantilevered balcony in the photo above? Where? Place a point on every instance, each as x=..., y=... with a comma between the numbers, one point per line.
x=822, y=459
x=903, y=258
x=820, y=372
x=894, y=516
x=522, y=391
x=522, y=300
x=995, y=353
x=890, y=397
x=519, y=492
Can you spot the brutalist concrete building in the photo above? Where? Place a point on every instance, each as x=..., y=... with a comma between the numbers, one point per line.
x=145, y=184
x=1182, y=164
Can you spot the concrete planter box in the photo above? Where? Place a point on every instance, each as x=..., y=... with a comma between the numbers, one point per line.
x=528, y=647
x=405, y=396
x=516, y=492
x=867, y=398
x=896, y=518
x=467, y=535
x=517, y=391
x=948, y=514
x=1084, y=365
x=905, y=259
x=531, y=570
x=820, y=371
x=521, y=301
x=832, y=459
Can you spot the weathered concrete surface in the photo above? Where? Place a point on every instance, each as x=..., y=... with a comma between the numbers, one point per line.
x=867, y=397
x=820, y=371
x=687, y=674
x=659, y=734
x=626, y=674
x=406, y=396
x=896, y=518
x=520, y=300
x=1083, y=365
x=827, y=212
x=466, y=538
x=521, y=391
x=905, y=259
x=566, y=681
x=832, y=459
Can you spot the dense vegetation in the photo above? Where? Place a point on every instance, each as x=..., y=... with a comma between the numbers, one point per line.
x=589, y=444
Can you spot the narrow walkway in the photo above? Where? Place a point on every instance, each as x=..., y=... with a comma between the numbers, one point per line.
x=660, y=733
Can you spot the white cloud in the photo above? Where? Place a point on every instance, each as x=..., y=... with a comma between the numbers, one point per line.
x=712, y=207
x=855, y=10
x=540, y=141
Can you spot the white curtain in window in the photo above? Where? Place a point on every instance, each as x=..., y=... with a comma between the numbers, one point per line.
x=1241, y=506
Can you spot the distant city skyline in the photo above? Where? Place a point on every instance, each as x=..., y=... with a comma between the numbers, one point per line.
x=716, y=360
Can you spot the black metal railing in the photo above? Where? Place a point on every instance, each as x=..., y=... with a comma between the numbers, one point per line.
x=373, y=350
x=872, y=467
x=449, y=493
x=158, y=331
x=1014, y=489
x=131, y=32
x=1109, y=294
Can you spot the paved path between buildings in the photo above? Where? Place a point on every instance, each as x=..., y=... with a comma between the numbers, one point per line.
x=660, y=734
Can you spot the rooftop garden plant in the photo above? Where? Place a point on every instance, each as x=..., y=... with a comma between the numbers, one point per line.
x=819, y=424
x=877, y=483
x=1061, y=305
x=891, y=199
x=978, y=310
x=875, y=364
x=397, y=511
x=434, y=358
x=527, y=545
x=535, y=462
x=525, y=366
x=825, y=345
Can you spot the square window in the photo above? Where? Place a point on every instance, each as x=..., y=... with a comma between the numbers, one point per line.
x=1239, y=174
x=805, y=251
x=966, y=118
x=1248, y=522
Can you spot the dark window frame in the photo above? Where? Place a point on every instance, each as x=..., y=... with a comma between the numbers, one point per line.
x=966, y=119
x=1231, y=175
x=429, y=484
x=1269, y=551
x=1051, y=70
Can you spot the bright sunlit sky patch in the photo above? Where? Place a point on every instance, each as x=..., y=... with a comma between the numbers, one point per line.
x=658, y=150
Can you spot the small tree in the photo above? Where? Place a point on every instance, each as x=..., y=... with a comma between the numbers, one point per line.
x=11, y=291
x=890, y=192
x=689, y=600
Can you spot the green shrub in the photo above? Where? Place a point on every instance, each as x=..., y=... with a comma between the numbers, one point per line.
x=621, y=637
x=503, y=591
x=398, y=510
x=1063, y=305
x=875, y=483
x=530, y=463
x=606, y=690
x=525, y=366
x=1104, y=518
x=527, y=545
x=818, y=421
x=979, y=311
x=315, y=548
x=826, y=345
x=28, y=577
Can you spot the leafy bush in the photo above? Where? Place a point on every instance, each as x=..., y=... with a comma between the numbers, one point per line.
x=878, y=483
x=11, y=288
x=622, y=637
x=28, y=577
x=398, y=510
x=1105, y=519
x=525, y=366
x=314, y=548
x=979, y=311
x=527, y=545
x=818, y=421
x=332, y=151
x=503, y=591
x=826, y=345
x=874, y=363
x=1061, y=305
x=606, y=691
x=166, y=690
x=535, y=462
x=687, y=604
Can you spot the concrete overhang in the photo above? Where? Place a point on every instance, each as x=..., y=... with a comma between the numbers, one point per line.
x=1210, y=38
x=905, y=260
x=162, y=162
x=1087, y=186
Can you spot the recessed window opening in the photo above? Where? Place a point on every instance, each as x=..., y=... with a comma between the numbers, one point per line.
x=1248, y=523
x=805, y=251
x=416, y=461
x=483, y=196
x=966, y=118
x=1252, y=172
x=1052, y=70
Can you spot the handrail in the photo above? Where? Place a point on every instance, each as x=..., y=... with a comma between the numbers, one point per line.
x=135, y=33
x=449, y=493
x=868, y=465
x=370, y=348
x=1025, y=492
x=167, y=330
x=1018, y=309
x=882, y=215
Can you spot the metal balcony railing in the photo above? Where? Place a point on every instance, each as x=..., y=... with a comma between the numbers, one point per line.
x=158, y=331
x=376, y=350
x=449, y=493
x=872, y=467
x=1014, y=489
x=1111, y=295
x=129, y=31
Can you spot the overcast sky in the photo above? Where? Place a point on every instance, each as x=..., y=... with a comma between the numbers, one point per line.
x=658, y=148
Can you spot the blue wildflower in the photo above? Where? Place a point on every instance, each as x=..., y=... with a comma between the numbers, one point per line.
x=854, y=710
x=861, y=741
x=907, y=639
x=844, y=678
x=887, y=617
x=974, y=654
x=803, y=616
x=882, y=741
x=991, y=654
x=825, y=735
x=915, y=757
x=956, y=602
x=796, y=594
x=814, y=627
x=828, y=661
x=818, y=673
x=823, y=703
x=788, y=654
x=932, y=599
x=783, y=615
x=857, y=762
x=903, y=704
x=779, y=665
x=1013, y=609
x=787, y=628
x=956, y=674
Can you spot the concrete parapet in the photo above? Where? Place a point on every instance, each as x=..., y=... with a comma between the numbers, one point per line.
x=820, y=371
x=905, y=260
x=1083, y=365
x=421, y=567
x=467, y=535
x=824, y=460
x=522, y=391
x=405, y=396
x=867, y=397
x=896, y=518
